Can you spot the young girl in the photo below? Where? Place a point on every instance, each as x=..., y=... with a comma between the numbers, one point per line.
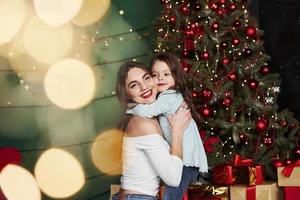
x=171, y=81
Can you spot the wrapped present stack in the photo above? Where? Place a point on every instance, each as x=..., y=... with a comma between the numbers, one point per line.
x=238, y=180
x=289, y=180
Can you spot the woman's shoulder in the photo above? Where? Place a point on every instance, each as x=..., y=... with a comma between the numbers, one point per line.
x=139, y=126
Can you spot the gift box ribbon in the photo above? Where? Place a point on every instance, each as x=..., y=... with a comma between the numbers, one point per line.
x=203, y=192
x=251, y=192
x=238, y=161
x=287, y=171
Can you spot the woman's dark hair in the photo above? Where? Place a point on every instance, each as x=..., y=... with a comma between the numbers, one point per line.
x=121, y=88
x=181, y=81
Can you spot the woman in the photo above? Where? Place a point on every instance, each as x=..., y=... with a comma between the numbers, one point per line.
x=147, y=158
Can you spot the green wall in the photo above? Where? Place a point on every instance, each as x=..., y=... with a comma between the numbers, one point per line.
x=32, y=123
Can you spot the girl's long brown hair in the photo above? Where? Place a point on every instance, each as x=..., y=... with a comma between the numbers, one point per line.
x=181, y=81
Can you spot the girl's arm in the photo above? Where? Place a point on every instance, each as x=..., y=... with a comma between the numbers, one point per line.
x=167, y=103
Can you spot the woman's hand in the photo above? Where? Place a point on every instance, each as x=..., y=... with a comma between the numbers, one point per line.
x=179, y=122
x=181, y=119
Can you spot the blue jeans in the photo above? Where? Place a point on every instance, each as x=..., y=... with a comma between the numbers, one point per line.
x=134, y=197
x=189, y=174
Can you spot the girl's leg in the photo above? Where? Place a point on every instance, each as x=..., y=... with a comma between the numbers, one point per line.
x=189, y=174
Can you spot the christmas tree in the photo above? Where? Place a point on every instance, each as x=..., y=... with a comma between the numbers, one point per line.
x=221, y=49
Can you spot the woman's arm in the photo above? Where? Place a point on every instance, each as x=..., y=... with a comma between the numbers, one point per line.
x=179, y=123
x=168, y=165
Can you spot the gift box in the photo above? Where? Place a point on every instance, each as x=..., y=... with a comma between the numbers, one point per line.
x=289, y=175
x=208, y=192
x=291, y=193
x=231, y=175
x=239, y=171
x=265, y=191
x=114, y=189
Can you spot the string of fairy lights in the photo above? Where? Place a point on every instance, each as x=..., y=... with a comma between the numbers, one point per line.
x=119, y=36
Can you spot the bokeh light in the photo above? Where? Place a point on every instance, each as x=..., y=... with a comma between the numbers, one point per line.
x=57, y=12
x=59, y=174
x=18, y=184
x=47, y=44
x=91, y=12
x=83, y=46
x=107, y=152
x=70, y=84
x=12, y=16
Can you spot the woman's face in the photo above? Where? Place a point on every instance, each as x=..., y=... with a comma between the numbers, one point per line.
x=140, y=86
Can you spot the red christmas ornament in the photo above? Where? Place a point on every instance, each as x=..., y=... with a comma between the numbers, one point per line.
x=209, y=144
x=248, y=52
x=278, y=163
x=236, y=24
x=172, y=19
x=226, y=102
x=163, y=1
x=222, y=1
x=205, y=55
x=202, y=133
x=224, y=45
x=197, y=30
x=212, y=6
x=184, y=9
x=242, y=137
x=297, y=152
x=221, y=11
x=188, y=44
x=283, y=123
x=214, y=26
x=185, y=65
x=206, y=111
x=232, y=75
x=232, y=6
x=293, y=125
x=206, y=94
x=252, y=84
x=235, y=41
x=267, y=140
x=188, y=31
x=264, y=70
x=250, y=31
x=288, y=161
x=226, y=61
x=261, y=124
x=197, y=7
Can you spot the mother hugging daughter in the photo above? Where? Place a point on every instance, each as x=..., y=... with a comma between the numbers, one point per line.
x=147, y=157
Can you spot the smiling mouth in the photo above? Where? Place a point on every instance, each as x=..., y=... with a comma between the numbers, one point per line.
x=147, y=94
x=161, y=84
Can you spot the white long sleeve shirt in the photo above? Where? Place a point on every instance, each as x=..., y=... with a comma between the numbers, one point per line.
x=146, y=160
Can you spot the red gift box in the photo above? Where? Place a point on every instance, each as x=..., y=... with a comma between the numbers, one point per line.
x=291, y=193
x=240, y=172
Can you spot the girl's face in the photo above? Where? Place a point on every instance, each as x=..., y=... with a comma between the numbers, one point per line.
x=162, y=76
x=140, y=86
